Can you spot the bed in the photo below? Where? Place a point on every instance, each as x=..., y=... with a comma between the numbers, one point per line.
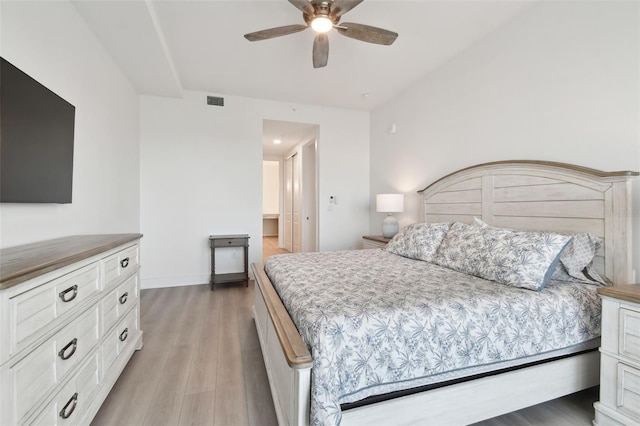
x=522, y=195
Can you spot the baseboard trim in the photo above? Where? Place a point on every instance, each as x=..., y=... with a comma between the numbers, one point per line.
x=148, y=283
x=185, y=281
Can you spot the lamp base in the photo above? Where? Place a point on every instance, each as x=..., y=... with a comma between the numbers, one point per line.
x=389, y=226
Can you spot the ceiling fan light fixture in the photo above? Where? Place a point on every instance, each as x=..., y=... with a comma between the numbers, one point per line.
x=321, y=24
x=322, y=16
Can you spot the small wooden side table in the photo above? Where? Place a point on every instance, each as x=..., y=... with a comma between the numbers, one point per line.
x=222, y=241
x=374, y=241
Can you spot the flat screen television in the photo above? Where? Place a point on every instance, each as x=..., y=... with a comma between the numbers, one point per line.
x=36, y=141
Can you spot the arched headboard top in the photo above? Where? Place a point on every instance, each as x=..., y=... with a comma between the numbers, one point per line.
x=541, y=195
x=543, y=167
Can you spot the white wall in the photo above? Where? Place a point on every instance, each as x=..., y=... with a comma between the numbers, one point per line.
x=558, y=83
x=50, y=42
x=270, y=187
x=201, y=174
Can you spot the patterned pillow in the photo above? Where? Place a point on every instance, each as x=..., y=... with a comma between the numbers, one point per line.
x=419, y=240
x=588, y=276
x=516, y=258
x=576, y=260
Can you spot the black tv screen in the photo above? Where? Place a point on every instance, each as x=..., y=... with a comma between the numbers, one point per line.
x=36, y=141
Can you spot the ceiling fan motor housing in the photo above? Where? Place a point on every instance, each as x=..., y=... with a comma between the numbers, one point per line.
x=321, y=9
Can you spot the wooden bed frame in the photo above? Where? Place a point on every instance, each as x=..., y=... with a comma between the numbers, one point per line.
x=514, y=194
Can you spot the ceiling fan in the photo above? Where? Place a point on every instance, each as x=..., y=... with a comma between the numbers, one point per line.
x=322, y=16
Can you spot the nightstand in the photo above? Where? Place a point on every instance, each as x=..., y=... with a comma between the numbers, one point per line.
x=620, y=356
x=374, y=241
x=222, y=241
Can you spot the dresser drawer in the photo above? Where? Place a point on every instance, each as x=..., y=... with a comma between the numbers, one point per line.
x=118, y=338
x=368, y=244
x=38, y=309
x=629, y=338
x=628, y=392
x=120, y=265
x=118, y=302
x=47, y=366
x=229, y=242
x=69, y=405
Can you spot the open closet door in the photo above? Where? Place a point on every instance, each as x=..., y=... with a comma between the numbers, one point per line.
x=309, y=197
x=288, y=203
x=297, y=205
x=292, y=205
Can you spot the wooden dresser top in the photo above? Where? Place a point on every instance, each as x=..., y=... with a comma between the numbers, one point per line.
x=628, y=292
x=22, y=263
x=378, y=238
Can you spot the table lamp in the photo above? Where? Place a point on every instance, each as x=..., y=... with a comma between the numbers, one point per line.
x=389, y=203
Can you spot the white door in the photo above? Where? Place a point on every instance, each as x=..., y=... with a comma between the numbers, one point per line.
x=288, y=203
x=309, y=197
x=297, y=204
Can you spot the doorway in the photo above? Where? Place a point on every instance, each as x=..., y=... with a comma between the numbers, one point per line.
x=294, y=147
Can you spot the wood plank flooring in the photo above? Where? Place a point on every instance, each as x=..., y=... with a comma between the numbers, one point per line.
x=270, y=247
x=201, y=364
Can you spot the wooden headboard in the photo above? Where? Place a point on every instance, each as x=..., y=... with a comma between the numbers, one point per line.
x=546, y=196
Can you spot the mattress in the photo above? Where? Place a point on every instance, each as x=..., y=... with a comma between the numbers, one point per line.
x=377, y=323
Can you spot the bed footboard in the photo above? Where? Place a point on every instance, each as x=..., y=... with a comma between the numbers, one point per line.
x=286, y=357
x=484, y=398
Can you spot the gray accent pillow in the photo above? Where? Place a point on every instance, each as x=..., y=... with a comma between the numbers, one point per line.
x=516, y=258
x=418, y=241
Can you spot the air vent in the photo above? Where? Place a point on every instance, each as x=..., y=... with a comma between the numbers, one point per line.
x=215, y=100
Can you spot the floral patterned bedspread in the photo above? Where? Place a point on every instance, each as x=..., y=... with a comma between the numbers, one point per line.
x=376, y=322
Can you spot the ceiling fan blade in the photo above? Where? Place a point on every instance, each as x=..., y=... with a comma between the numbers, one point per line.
x=320, y=50
x=275, y=32
x=303, y=5
x=340, y=7
x=367, y=33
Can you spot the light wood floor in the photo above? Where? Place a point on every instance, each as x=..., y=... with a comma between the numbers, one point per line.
x=201, y=364
x=270, y=247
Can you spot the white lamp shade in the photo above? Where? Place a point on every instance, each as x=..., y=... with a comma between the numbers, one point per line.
x=390, y=203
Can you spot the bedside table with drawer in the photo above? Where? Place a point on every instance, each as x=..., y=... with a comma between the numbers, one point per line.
x=374, y=241
x=222, y=241
x=620, y=357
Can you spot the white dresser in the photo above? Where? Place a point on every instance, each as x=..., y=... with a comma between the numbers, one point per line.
x=69, y=323
x=620, y=357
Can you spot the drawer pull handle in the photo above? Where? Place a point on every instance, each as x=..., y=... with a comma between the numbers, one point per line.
x=124, y=262
x=74, y=400
x=229, y=242
x=124, y=335
x=123, y=298
x=63, y=294
x=62, y=354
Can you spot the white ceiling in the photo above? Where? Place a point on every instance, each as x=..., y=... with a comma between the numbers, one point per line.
x=290, y=135
x=165, y=46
